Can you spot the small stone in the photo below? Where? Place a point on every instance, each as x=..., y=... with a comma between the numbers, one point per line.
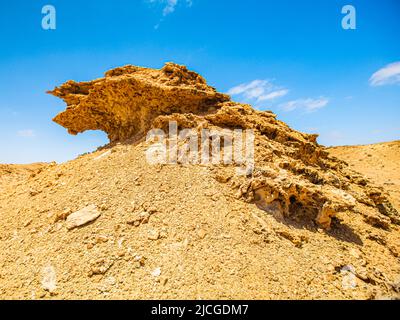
x=49, y=280
x=154, y=235
x=82, y=217
x=152, y=210
x=156, y=272
x=100, y=266
x=222, y=178
x=27, y=223
x=33, y=192
x=120, y=242
x=201, y=233
x=163, y=233
x=139, y=218
x=121, y=253
x=139, y=261
x=111, y=281
x=355, y=253
x=215, y=197
x=62, y=215
x=101, y=239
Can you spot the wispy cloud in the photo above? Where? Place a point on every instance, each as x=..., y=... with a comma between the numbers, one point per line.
x=274, y=95
x=309, y=104
x=170, y=7
x=257, y=90
x=389, y=74
x=27, y=133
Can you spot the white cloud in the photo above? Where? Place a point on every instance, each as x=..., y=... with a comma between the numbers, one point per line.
x=389, y=74
x=258, y=90
x=27, y=133
x=309, y=104
x=274, y=95
x=170, y=5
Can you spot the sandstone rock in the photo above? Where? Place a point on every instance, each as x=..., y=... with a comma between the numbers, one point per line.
x=147, y=93
x=294, y=178
x=82, y=217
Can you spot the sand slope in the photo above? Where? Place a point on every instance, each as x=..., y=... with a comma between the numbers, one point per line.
x=379, y=162
x=196, y=240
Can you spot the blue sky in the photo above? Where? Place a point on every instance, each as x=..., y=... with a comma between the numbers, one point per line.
x=292, y=57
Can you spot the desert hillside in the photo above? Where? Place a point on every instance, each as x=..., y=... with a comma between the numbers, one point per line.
x=18, y=170
x=301, y=224
x=378, y=162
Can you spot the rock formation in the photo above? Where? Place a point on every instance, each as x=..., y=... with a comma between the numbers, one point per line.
x=294, y=177
x=125, y=102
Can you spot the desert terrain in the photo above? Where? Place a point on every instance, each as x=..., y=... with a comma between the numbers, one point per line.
x=379, y=162
x=307, y=223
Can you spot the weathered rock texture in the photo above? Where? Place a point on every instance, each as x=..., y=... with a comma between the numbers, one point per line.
x=294, y=177
x=126, y=101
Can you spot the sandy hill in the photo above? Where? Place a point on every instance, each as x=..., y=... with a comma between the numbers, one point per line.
x=379, y=162
x=301, y=225
x=18, y=170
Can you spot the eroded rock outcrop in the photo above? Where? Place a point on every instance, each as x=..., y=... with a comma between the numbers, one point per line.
x=293, y=178
x=127, y=99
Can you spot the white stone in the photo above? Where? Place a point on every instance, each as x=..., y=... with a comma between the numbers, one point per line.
x=49, y=280
x=82, y=217
x=156, y=272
